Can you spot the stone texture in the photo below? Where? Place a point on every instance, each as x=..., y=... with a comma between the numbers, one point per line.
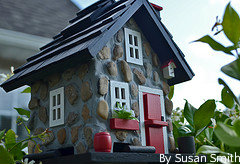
x=117, y=52
x=155, y=60
x=134, y=90
x=86, y=92
x=80, y=148
x=53, y=80
x=74, y=134
x=147, y=48
x=170, y=125
x=88, y=135
x=166, y=88
x=35, y=87
x=82, y=71
x=126, y=70
x=112, y=69
x=103, y=86
x=104, y=53
x=168, y=106
x=61, y=135
x=71, y=94
x=42, y=114
x=38, y=131
x=121, y=135
x=31, y=146
x=136, y=142
x=148, y=68
x=172, y=144
x=72, y=118
x=135, y=108
x=119, y=36
x=102, y=109
x=48, y=138
x=34, y=103
x=31, y=121
x=156, y=77
x=85, y=113
x=140, y=76
x=67, y=75
x=37, y=149
x=43, y=91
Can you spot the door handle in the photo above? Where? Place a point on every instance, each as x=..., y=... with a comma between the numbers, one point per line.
x=155, y=123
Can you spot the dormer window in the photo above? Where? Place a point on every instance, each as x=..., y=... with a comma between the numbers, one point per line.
x=56, y=116
x=133, y=44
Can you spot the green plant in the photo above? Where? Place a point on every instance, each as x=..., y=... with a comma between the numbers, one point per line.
x=122, y=113
x=224, y=137
x=195, y=120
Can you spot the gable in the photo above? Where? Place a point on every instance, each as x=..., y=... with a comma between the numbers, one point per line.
x=90, y=31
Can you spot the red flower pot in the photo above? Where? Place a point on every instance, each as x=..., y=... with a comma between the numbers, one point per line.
x=102, y=142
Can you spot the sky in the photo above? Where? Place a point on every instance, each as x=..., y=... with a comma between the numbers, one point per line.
x=189, y=20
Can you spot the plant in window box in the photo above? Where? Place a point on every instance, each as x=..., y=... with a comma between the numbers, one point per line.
x=123, y=119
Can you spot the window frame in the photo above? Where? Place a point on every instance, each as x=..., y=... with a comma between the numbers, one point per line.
x=137, y=47
x=120, y=85
x=60, y=106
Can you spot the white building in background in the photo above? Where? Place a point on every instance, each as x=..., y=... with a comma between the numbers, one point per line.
x=24, y=28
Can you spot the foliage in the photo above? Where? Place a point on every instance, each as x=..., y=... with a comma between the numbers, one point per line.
x=123, y=113
x=10, y=147
x=222, y=134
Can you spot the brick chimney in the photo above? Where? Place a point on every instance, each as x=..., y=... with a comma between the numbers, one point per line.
x=157, y=8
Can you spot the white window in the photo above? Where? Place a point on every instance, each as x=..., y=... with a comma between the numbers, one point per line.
x=56, y=116
x=133, y=45
x=119, y=94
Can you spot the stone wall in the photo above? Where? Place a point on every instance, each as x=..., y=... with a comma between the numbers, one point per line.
x=87, y=96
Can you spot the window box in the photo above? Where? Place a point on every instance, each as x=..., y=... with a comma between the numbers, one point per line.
x=117, y=123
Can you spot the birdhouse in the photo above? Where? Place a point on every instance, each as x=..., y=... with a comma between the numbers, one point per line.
x=99, y=69
x=168, y=69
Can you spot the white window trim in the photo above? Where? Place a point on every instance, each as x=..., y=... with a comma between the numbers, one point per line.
x=141, y=108
x=113, y=85
x=60, y=121
x=130, y=59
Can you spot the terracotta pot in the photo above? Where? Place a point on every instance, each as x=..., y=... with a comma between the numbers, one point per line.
x=186, y=145
x=102, y=142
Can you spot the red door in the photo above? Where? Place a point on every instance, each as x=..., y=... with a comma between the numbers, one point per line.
x=153, y=122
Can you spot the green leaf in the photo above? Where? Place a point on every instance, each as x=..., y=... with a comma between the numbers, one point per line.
x=214, y=44
x=209, y=133
x=227, y=99
x=232, y=69
x=23, y=112
x=220, y=81
x=10, y=139
x=203, y=115
x=27, y=90
x=206, y=149
x=171, y=92
x=5, y=156
x=236, y=126
x=186, y=130
x=227, y=135
x=188, y=112
x=231, y=24
x=2, y=134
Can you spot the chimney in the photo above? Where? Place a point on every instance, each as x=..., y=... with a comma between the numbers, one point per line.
x=157, y=8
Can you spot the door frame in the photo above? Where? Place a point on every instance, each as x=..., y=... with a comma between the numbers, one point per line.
x=141, y=112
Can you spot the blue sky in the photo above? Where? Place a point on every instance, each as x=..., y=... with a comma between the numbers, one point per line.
x=188, y=20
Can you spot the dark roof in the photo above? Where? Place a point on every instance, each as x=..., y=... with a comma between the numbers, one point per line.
x=42, y=17
x=90, y=31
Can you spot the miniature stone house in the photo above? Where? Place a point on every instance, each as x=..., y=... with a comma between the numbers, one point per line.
x=111, y=52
